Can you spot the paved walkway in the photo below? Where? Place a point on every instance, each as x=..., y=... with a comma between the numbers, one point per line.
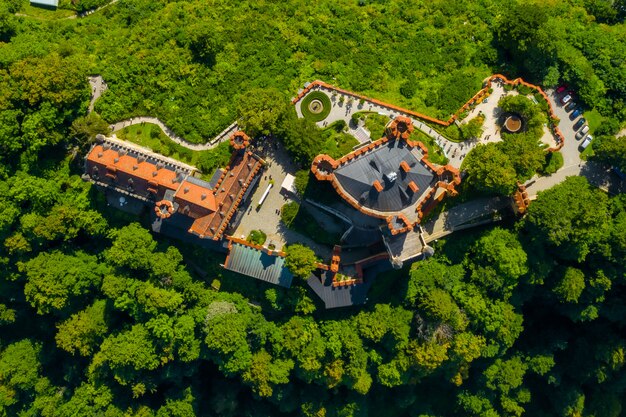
x=98, y=86
x=454, y=151
x=344, y=111
x=267, y=217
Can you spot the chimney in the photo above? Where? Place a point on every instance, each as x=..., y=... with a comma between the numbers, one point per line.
x=116, y=160
x=203, y=197
x=154, y=173
x=186, y=190
x=100, y=154
x=135, y=167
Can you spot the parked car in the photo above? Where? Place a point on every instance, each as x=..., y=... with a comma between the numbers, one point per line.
x=582, y=132
x=561, y=89
x=579, y=123
x=576, y=113
x=566, y=99
x=570, y=106
x=586, y=142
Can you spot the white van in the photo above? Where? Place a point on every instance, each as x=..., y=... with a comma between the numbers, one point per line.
x=586, y=142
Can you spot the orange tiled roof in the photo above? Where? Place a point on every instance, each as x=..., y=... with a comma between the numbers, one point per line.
x=212, y=209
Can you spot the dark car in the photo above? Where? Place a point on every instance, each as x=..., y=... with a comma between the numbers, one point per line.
x=576, y=113
x=570, y=106
x=579, y=123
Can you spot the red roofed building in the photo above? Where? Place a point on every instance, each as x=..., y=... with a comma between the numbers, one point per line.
x=170, y=186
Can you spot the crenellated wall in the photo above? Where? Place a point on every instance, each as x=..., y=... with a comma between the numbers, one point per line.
x=479, y=96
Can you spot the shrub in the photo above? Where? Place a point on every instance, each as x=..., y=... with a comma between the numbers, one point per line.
x=302, y=180
x=523, y=90
x=453, y=133
x=338, y=126
x=257, y=237
x=554, y=162
x=155, y=132
x=288, y=212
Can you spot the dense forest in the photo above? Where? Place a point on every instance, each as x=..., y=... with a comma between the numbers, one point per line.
x=100, y=317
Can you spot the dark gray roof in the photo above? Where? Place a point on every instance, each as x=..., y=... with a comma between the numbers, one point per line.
x=258, y=264
x=334, y=297
x=358, y=175
x=201, y=182
x=177, y=227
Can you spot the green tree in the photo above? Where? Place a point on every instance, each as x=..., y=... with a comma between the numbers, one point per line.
x=300, y=260
x=611, y=150
x=56, y=279
x=524, y=152
x=490, y=170
x=85, y=128
x=571, y=218
x=302, y=138
x=126, y=354
x=262, y=111
x=474, y=128
x=19, y=375
x=570, y=286
x=132, y=247
x=83, y=331
x=497, y=261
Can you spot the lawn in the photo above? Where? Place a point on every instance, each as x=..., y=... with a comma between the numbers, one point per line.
x=594, y=119
x=151, y=136
x=435, y=153
x=46, y=14
x=588, y=152
x=322, y=100
x=375, y=123
x=337, y=142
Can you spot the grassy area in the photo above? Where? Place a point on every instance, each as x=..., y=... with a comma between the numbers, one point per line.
x=46, y=14
x=594, y=120
x=374, y=122
x=337, y=143
x=151, y=136
x=306, y=101
x=435, y=153
x=588, y=152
